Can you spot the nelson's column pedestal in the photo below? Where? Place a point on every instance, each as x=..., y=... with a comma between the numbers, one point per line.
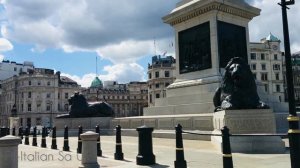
x=208, y=33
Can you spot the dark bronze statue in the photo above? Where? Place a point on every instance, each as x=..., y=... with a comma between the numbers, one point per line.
x=80, y=108
x=238, y=88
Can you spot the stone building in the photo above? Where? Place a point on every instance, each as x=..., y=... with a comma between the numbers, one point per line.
x=126, y=99
x=37, y=97
x=161, y=73
x=296, y=77
x=266, y=64
x=11, y=68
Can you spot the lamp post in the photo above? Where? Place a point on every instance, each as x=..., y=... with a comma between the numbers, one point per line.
x=51, y=115
x=293, y=119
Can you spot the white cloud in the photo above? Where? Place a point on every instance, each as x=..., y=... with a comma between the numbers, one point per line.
x=123, y=73
x=5, y=45
x=84, y=81
x=126, y=51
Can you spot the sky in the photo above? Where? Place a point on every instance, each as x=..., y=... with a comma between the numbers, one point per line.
x=122, y=35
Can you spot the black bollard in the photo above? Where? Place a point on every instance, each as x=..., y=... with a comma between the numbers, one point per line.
x=20, y=134
x=145, y=155
x=43, y=144
x=26, y=135
x=79, y=145
x=7, y=131
x=54, y=145
x=99, y=151
x=66, y=140
x=179, y=162
x=227, y=156
x=34, y=140
x=14, y=131
x=118, y=154
x=2, y=132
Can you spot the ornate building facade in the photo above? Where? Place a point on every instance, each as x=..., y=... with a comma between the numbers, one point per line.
x=126, y=99
x=161, y=73
x=266, y=63
x=36, y=97
x=296, y=77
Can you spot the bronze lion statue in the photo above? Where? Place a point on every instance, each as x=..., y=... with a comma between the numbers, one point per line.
x=238, y=88
x=80, y=108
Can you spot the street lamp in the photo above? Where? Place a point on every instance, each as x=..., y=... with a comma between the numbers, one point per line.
x=293, y=119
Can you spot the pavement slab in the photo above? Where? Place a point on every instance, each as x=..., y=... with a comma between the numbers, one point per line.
x=197, y=154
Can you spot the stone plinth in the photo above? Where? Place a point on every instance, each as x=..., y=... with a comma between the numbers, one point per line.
x=9, y=151
x=86, y=123
x=89, y=150
x=254, y=121
x=14, y=123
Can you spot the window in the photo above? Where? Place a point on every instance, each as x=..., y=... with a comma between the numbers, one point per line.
x=264, y=76
x=48, y=83
x=276, y=67
x=22, y=107
x=254, y=75
x=277, y=76
x=28, y=107
x=266, y=87
x=39, y=82
x=48, y=107
x=150, y=99
x=58, y=95
x=38, y=121
x=150, y=86
x=157, y=85
x=262, y=56
x=167, y=73
x=66, y=95
x=275, y=57
x=263, y=66
x=156, y=74
x=15, y=68
x=157, y=95
x=22, y=94
x=277, y=88
x=29, y=83
x=253, y=56
x=29, y=94
x=48, y=95
x=149, y=75
x=253, y=66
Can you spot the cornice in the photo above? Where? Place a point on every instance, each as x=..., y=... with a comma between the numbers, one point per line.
x=199, y=8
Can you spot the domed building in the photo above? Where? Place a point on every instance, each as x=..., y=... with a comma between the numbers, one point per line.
x=125, y=99
x=96, y=83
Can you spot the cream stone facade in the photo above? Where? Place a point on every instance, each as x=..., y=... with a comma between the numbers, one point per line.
x=161, y=73
x=126, y=99
x=266, y=64
x=38, y=97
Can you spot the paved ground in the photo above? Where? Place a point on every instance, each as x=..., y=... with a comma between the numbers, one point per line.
x=197, y=154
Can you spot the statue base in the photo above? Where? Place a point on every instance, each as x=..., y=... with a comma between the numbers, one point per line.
x=14, y=122
x=248, y=121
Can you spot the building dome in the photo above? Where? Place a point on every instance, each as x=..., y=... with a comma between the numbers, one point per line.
x=271, y=37
x=97, y=83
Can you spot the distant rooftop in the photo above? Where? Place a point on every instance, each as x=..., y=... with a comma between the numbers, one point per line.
x=26, y=63
x=272, y=38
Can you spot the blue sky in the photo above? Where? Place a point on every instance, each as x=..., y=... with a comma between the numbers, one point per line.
x=68, y=35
